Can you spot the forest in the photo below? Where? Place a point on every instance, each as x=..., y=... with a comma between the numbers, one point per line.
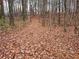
x=39, y=29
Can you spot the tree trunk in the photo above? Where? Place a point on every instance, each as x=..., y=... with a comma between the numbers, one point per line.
x=65, y=15
x=10, y=2
x=77, y=12
x=24, y=12
x=43, y=12
x=59, y=14
x=1, y=9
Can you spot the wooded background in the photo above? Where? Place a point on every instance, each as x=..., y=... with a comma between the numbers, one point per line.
x=51, y=12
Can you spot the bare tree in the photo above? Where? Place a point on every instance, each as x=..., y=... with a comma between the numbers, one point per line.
x=1, y=9
x=44, y=8
x=77, y=12
x=65, y=15
x=24, y=12
x=59, y=13
x=10, y=2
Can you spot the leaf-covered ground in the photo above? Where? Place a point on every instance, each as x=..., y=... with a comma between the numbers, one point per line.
x=37, y=42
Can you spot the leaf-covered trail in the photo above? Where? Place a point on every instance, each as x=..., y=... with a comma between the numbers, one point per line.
x=37, y=42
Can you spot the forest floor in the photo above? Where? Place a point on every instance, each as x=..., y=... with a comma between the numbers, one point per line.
x=37, y=42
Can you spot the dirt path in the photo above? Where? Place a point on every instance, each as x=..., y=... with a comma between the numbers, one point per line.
x=37, y=42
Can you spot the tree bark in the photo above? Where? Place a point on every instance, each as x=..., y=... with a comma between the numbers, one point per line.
x=24, y=12
x=11, y=18
x=65, y=16
x=1, y=9
x=59, y=14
